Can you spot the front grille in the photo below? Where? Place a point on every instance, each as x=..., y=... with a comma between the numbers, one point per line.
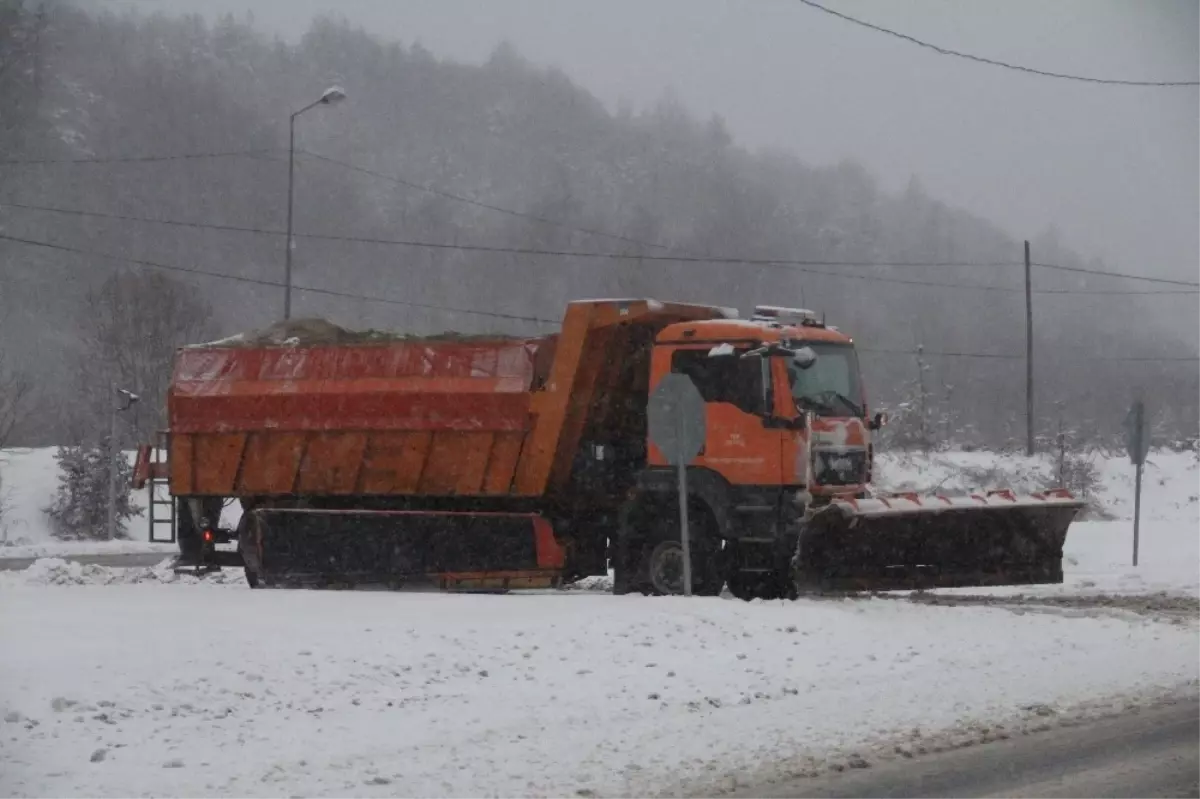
x=840, y=468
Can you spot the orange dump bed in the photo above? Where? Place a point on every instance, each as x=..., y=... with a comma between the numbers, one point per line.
x=434, y=417
x=438, y=417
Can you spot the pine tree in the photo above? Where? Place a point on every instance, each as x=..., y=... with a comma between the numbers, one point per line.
x=80, y=507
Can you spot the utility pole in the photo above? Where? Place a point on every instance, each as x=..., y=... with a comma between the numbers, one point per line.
x=114, y=452
x=126, y=400
x=1028, y=355
x=287, y=264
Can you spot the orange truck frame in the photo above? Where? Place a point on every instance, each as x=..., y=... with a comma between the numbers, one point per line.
x=520, y=462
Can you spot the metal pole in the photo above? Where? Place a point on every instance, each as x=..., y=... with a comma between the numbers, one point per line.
x=683, y=524
x=1028, y=355
x=1139, y=410
x=287, y=269
x=1137, y=511
x=114, y=452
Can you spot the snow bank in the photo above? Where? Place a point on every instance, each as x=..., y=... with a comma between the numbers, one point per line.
x=1170, y=480
x=234, y=692
x=58, y=572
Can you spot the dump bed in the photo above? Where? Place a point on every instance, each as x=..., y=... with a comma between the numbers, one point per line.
x=386, y=416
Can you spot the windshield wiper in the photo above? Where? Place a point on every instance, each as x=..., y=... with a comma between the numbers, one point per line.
x=848, y=403
x=826, y=400
x=815, y=403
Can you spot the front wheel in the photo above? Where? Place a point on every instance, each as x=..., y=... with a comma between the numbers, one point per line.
x=654, y=563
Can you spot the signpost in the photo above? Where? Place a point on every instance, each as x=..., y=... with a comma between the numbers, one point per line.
x=1137, y=443
x=675, y=418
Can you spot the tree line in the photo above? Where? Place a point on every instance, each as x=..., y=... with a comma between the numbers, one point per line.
x=569, y=175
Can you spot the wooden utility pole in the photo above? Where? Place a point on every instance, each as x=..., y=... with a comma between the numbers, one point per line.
x=1028, y=356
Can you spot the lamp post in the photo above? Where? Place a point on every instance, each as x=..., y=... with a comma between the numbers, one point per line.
x=332, y=95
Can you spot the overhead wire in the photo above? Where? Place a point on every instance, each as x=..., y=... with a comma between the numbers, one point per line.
x=131, y=159
x=471, y=311
x=480, y=204
x=272, y=283
x=797, y=264
x=992, y=61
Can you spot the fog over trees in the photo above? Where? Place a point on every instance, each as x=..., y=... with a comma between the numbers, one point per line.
x=489, y=162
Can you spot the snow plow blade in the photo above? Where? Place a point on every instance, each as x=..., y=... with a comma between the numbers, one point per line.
x=908, y=541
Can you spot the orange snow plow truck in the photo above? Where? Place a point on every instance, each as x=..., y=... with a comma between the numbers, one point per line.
x=500, y=463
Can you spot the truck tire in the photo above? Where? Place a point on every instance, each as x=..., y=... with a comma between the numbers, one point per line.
x=657, y=556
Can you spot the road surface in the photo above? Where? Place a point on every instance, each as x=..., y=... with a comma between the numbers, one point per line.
x=1151, y=753
x=117, y=560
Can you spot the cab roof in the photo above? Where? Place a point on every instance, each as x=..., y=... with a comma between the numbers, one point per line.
x=709, y=331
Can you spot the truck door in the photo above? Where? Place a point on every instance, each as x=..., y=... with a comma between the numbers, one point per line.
x=740, y=444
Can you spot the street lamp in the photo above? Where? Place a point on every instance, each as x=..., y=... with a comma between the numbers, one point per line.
x=331, y=96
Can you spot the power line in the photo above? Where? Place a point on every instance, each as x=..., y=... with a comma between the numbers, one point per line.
x=1001, y=356
x=991, y=61
x=778, y=263
x=517, y=317
x=479, y=204
x=260, y=282
x=1007, y=357
x=1125, y=275
x=132, y=159
x=799, y=265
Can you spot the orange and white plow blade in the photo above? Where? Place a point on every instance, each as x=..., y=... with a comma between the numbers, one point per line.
x=922, y=541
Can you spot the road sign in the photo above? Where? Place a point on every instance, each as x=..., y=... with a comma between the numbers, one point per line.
x=1137, y=433
x=1137, y=443
x=675, y=418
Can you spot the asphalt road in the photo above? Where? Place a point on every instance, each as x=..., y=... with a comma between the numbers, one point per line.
x=1151, y=753
x=119, y=560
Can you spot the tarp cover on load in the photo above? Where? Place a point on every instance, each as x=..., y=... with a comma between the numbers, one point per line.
x=308, y=407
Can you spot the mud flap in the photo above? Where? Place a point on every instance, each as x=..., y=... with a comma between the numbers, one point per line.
x=910, y=541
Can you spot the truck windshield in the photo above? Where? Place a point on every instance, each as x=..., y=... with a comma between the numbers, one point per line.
x=830, y=387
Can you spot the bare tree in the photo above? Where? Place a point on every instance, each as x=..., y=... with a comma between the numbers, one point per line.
x=136, y=323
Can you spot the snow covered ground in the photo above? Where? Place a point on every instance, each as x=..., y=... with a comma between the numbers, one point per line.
x=131, y=682
x=202, y=689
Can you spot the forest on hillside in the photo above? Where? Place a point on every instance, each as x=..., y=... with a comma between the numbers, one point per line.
x=131, y=146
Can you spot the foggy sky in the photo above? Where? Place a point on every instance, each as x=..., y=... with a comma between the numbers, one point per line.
x=1115, y=169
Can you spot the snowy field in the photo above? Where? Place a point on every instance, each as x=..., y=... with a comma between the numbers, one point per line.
x=135, y=682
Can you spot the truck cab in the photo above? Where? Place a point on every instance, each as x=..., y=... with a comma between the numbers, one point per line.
x=786, y=427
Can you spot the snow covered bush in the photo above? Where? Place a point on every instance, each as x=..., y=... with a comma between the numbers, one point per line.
x=80, y=506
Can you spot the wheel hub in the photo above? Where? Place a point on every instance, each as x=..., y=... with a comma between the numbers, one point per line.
x=666, y=569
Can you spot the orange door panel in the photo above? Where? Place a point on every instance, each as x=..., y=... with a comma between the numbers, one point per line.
x=739, y=447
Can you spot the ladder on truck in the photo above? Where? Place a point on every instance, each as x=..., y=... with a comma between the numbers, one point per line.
x=160, y=509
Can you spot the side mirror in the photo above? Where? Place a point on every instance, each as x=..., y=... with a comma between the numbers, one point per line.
x=804, y=357
x=878, y=421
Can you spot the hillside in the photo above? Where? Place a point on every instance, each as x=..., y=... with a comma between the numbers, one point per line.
x=489, y=162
